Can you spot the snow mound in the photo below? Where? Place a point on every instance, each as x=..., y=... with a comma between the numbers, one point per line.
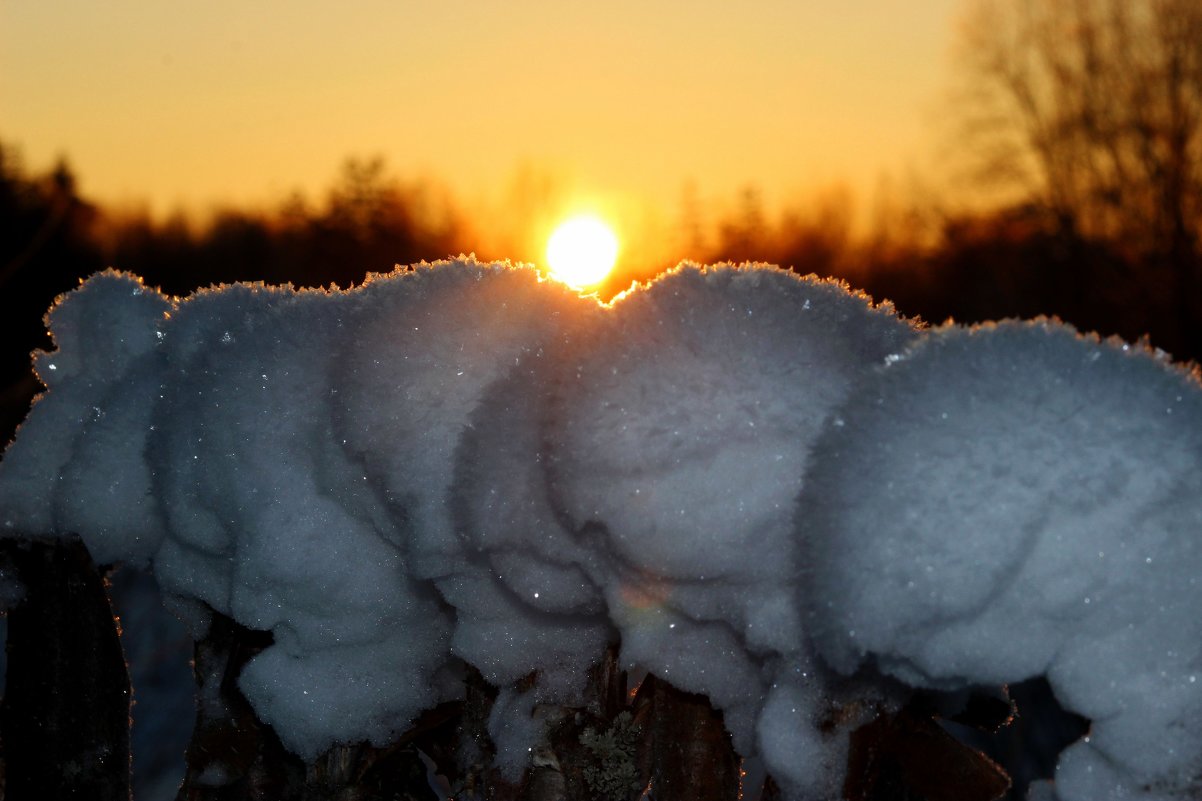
x=283, y=458
x=636, y=475
x=1014, y=500
x=98, y=381
x=757, y=482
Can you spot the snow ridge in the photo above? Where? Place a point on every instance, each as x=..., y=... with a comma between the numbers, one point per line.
x=759, y=483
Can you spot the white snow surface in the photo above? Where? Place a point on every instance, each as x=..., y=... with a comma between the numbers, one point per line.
x=675, y=450
x=1015, y=500
x=459, y=460
x=755, y=481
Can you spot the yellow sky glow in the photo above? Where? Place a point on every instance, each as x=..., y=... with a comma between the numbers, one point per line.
x=626, y=102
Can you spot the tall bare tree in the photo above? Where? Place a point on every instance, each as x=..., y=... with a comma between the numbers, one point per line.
x=1094, y=109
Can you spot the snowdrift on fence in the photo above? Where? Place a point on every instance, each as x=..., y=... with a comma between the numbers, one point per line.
x=1015, y=500
x=756, y=482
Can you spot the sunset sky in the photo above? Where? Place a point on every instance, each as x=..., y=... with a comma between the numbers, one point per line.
x=194, y=104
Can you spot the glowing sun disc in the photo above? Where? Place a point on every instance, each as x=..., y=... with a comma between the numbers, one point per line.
x=582, y=251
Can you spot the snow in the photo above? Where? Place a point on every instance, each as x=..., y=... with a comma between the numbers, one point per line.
x=676, y=449
x=757, y=483
x=789, y=739
x=106, y=333
x=646, y=465
x=1012, y=501
x=514, y=727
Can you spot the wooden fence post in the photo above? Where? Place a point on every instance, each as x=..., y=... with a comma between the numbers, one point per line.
x=64, y=719
x=64, y=725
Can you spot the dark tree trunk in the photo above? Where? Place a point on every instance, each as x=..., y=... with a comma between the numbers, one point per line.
x=64, y=721
x=65, y=715
x=232, y=756
x=690, y=752
x=909, y=757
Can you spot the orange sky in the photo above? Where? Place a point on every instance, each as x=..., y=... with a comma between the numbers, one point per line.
x=190, y=104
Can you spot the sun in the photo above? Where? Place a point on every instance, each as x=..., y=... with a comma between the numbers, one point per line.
x=582, y=251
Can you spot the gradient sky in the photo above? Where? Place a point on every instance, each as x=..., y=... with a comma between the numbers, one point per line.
x=190, y=103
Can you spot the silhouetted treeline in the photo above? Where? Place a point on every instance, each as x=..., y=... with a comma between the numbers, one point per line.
x=367, y=223
x=50, y=238
x=46, y=243
x=1017, y=262
x=1091, y=111
x=1082, y=120
x=1020, y=261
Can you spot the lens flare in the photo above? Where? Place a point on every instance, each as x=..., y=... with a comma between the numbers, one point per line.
x=582, y=251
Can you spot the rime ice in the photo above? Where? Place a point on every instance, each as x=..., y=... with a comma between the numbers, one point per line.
x=460, y=460
x=753, y=481
x=85, y=440
x=395, y=476
x=1015, y=500
x=676, y=447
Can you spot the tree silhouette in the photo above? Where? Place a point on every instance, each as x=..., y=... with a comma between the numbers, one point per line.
x=1093, y=109
x=744, y=236
x=368, y=222
x=46, y=246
